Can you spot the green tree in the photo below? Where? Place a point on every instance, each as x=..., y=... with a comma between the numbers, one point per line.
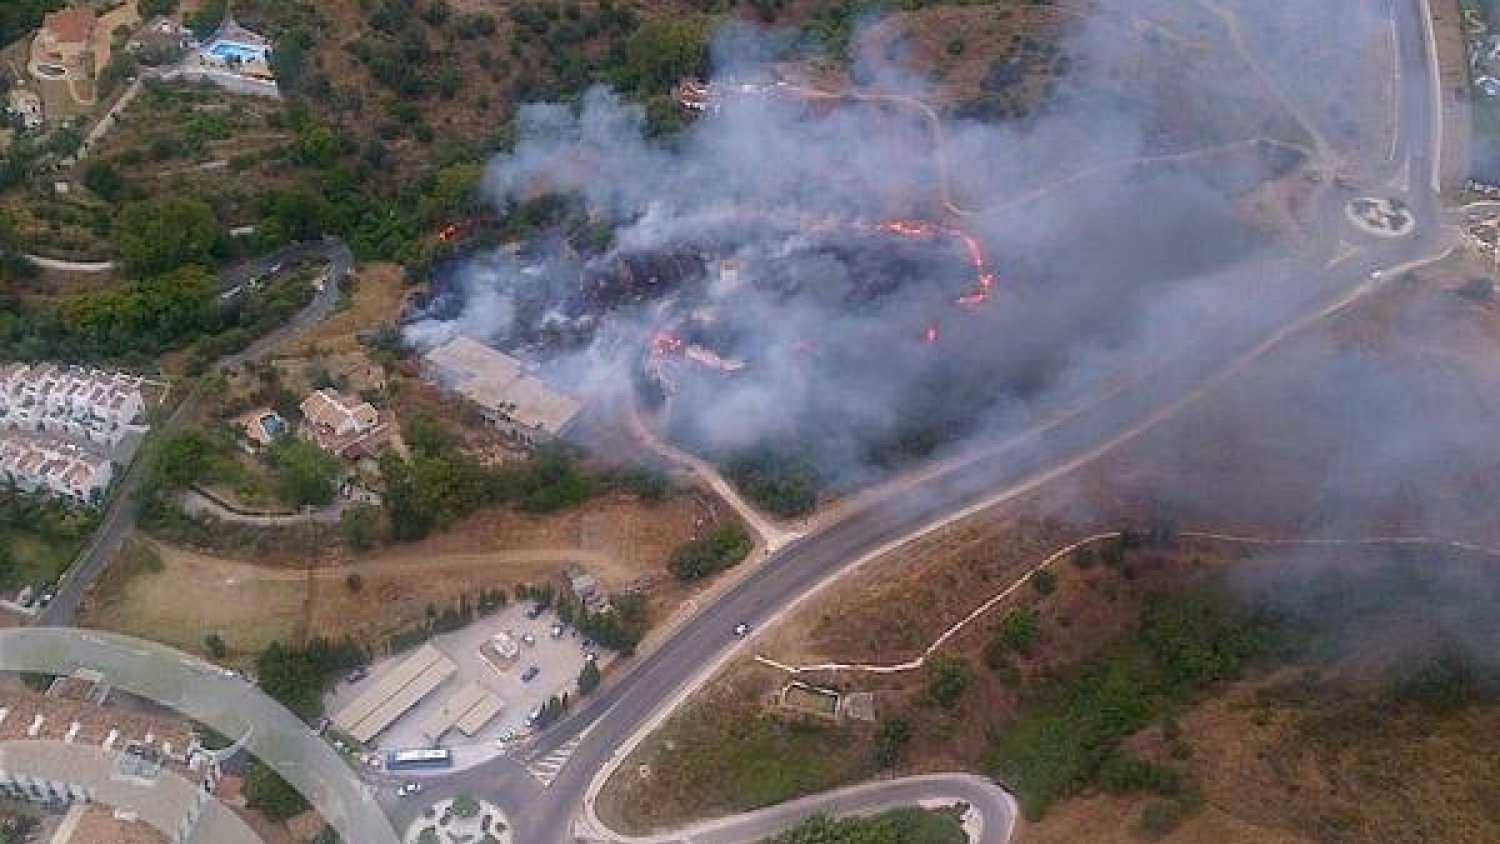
x=663, y=50
x=588, y=677
x=465, y=806
x=305, y=473
x=103, y=179
x=20, y=17
x=1044, y=582
x=360, y=526
x=182, y=459
x=294, y=213
x=145, y=316
x=268, y=792
x=902, y=826
x=947, y=680
x=723, y=547
x=895, y=733
x=1019, y=629
x=207, y=19
x=162, y=233
x=215, y=644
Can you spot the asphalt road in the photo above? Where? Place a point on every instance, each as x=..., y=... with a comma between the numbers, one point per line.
x=119, y=517
x=630, y=706
x=974, y=794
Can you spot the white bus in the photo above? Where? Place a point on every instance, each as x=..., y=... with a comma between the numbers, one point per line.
x=419, y=758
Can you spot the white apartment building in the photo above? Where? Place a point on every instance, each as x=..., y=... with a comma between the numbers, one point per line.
x=60, y=424
x=70, y=401
x=47, y=464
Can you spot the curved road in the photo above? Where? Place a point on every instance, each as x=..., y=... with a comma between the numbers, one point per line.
x=119, y=517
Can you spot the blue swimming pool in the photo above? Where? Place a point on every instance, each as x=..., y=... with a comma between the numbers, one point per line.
x=243, y=53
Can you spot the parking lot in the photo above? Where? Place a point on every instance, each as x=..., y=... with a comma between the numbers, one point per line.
x=557, y=660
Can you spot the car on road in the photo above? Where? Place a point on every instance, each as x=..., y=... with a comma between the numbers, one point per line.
x=530, y=673
x=742, y=629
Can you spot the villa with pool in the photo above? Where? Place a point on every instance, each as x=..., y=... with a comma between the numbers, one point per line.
x=239, y=50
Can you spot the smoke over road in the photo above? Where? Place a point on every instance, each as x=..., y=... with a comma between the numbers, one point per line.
x=1112, y=229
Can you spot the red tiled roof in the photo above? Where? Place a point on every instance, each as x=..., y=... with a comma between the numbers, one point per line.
x=70, y=26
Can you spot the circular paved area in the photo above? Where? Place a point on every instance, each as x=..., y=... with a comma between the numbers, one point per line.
x=1381, y=217
x=460, y=820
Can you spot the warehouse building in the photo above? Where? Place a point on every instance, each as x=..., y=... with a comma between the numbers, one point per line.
x=394, y=693
x=520, y=405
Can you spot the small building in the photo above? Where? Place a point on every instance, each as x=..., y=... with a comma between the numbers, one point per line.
x=585, y=587
x=50, y=465
x=468, y=710
x=523, y=407
x=343, y=426
x=27, y=105
x=67, y=37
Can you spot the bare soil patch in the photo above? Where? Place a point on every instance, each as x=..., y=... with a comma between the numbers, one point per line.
x=375, y=295
x=622, y=541
x=193, y=595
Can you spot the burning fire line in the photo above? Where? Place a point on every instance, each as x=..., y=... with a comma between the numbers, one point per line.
x=665, y=344
x=923, y=229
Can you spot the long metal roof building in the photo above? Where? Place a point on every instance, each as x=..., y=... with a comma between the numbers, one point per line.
x=395, y=692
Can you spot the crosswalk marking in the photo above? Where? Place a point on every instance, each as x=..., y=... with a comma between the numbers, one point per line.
x=546, y=769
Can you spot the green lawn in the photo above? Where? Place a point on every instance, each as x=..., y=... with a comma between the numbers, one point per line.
x=38, y=541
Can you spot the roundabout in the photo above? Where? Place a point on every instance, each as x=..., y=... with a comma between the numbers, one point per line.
x=1380, y=216
x=461, y=819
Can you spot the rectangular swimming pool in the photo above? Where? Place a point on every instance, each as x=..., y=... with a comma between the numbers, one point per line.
x=227, y=50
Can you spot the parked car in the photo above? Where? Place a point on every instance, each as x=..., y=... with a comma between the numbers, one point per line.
x=528, y=639
x=408, y=788
x=530, y=673
x=557, y=631
x=535, y=612
x=356, y=675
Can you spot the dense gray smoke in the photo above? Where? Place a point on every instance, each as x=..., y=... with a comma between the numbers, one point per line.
x=1115, y=219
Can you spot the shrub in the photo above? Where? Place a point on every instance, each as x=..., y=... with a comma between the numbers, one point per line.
x=947, y=680
x=1126, y=774
x=1044, y=582
x=723, y=547
x=895, y=733
x=588, y=677
x=1018, y=631
x=465, y=806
